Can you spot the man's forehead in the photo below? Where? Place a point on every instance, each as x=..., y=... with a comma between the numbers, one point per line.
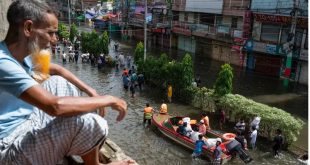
x=50, y=21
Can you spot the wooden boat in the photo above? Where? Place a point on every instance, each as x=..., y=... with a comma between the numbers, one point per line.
x=167, y=125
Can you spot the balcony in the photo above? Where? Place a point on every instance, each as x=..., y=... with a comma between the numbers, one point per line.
x=182, y=28
x=223, y=33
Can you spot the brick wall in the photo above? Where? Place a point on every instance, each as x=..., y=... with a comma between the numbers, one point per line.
x=4, y=4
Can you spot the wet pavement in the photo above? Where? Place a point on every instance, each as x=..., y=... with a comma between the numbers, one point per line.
x=145, y=144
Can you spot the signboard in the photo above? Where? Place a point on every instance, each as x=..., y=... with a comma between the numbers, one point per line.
x=272, y=49
x=237, y=33
x=280, y=19
x=247, y=24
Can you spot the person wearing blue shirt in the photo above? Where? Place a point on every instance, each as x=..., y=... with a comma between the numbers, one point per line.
x=217, y=153
x=198, y=147
x=43, y=123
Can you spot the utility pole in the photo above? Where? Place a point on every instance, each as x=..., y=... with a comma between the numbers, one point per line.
x=291, y=41
x=145, y=29
x=69, y=12
x=170, y=16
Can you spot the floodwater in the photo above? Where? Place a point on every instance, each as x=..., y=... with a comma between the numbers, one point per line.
x=147, y=145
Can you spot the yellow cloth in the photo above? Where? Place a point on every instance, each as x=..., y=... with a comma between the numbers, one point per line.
x=169, y=91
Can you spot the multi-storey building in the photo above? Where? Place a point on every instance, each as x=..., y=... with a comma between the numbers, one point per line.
x=219, y=29
x=208, y=28
x=272, y=23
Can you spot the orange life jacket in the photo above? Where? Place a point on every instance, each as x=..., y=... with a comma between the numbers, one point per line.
x=148, y=112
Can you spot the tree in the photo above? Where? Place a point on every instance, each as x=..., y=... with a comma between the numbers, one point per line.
x=138, y=56
x=73, y=32
x=223, y=83
x=104, y=43
x=139, y=52
x=94, y=44
x=188, y=72
x=63, y=31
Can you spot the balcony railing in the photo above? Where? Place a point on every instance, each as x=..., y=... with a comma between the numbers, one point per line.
x=209, y=31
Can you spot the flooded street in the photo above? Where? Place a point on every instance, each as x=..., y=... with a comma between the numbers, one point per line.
x=148, y=146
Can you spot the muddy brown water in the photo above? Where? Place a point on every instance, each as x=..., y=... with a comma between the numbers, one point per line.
x=147, y=145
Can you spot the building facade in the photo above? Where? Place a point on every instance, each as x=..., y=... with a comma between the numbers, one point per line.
x=248, y=33
x=272, y=29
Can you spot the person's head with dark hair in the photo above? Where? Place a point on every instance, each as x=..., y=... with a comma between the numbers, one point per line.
x=204, y=114
x=147, y=104
x=33, y=25
x=200, y=136
x=218, y=143
x=196, y=129
x=279, y=131
x=253, y=127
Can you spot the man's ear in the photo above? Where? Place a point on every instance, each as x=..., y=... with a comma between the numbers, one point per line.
x=28, y=28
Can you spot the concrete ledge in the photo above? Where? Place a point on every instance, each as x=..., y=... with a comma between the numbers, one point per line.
x=109, y=152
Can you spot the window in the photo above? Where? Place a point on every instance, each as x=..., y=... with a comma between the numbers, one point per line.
x=175, y=16
x=186, y=17
x=270, y=33
x=207, y=19
x=219, y=20
x=234, y=22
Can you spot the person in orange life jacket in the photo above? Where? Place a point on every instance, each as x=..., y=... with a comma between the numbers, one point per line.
x=148, y=113
x=205, y=119
x=163, y=108
x=125, y=72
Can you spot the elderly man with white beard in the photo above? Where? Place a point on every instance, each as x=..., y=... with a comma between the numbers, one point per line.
x=42, y=123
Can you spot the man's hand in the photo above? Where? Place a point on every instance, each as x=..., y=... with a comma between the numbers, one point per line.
x=121, y=107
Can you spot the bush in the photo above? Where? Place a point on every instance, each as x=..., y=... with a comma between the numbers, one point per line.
x=271, y=118
x=223, y=84
x=73, y=32
x=63, y=31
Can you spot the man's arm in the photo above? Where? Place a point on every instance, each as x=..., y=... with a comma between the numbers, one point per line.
x=61, y=71
x=70, y=106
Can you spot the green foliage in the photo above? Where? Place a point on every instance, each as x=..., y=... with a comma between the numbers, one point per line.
x=161, y=71
x=73, y=32
x=223, y=84
x=271, y=118
x=188, y=72
x=104, y=43
x=90, y=43
x=95, y=44
x=63, y=31
x=139, y=53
